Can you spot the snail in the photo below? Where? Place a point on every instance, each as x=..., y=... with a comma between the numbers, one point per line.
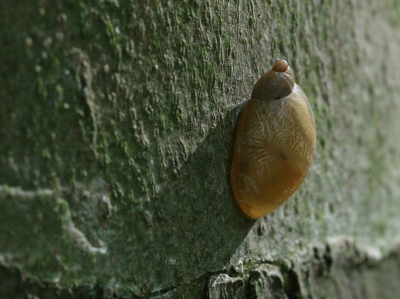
x=274, y=145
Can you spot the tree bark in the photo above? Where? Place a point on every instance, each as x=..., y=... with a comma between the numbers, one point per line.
x=116, y=139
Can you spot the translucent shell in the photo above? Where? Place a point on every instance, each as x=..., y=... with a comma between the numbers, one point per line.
x=275, y=143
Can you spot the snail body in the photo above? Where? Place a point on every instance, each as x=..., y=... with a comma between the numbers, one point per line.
x=275, y=143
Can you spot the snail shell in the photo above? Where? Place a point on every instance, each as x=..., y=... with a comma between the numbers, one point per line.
x=275, y=143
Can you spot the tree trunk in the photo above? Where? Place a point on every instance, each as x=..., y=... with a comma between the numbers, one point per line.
x=116, y=139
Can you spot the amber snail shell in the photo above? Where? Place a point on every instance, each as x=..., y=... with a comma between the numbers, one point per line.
x=274, y=145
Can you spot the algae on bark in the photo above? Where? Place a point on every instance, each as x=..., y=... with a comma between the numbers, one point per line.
x=116, y=122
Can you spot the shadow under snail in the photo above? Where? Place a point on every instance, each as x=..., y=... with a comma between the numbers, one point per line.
x=275, y=143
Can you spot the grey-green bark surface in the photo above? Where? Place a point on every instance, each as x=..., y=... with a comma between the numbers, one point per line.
x=116, y=128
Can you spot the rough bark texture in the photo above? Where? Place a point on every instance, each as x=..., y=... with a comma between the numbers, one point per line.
x=116, y=128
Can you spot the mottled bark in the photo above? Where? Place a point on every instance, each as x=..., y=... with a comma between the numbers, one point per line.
x=116, y=129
